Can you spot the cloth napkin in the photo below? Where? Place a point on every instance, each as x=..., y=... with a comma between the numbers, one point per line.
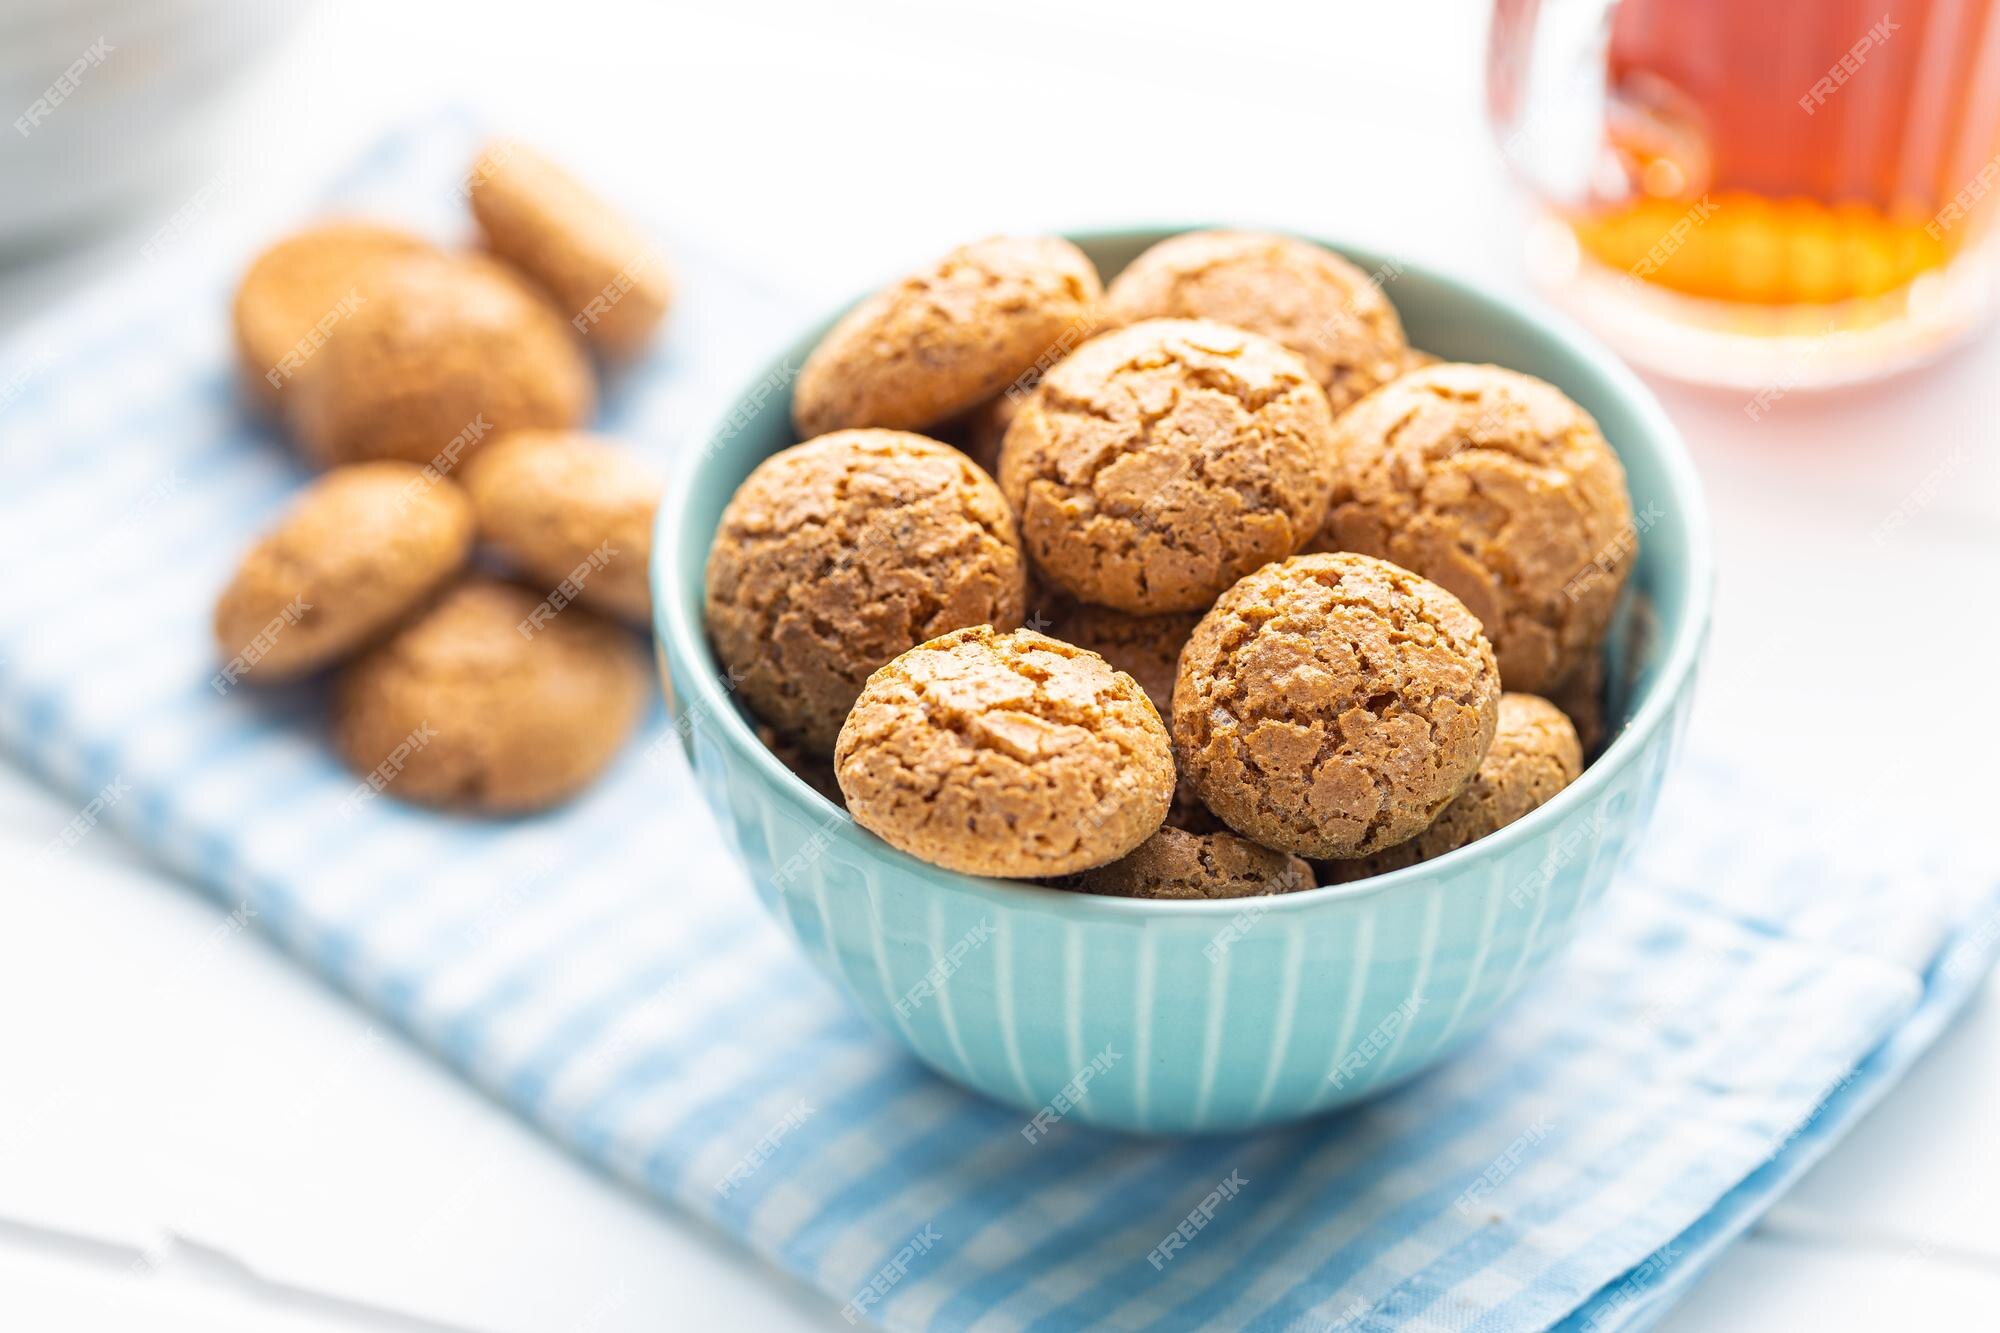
x=1740, y=998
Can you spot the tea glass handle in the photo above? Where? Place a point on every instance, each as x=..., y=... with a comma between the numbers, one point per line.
x=1546, y=98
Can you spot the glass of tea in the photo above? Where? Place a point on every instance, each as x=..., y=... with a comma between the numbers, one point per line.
x=1758, y=193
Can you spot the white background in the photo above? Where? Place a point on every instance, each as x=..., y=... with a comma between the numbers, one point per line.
x=177, y=1090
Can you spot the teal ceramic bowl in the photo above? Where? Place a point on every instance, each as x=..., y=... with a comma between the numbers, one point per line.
x=1202, y=1016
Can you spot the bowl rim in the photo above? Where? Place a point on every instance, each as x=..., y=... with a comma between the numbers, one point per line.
x=678, y=631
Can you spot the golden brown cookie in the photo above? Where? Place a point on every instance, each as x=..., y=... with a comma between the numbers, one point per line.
x=297, y=293
x=1298, y=294
x=949, y=336
x=1534, y=755
x=570, y=509
x=1332, y=705
x=359, y=549
x=1176, y=864
x=602, y=273
x=837, y=554
x=1497, y=486
x=487, y=703
x=445, y=354
x=1162, y=462
x=1013, y=755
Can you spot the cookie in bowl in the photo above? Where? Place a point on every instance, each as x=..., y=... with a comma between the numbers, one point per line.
x=949, y=336
x=1296, y=293
x=1160, y=463
x=835, y=555
x=1332, y=705
x=1501, y=488
x=1005, y=754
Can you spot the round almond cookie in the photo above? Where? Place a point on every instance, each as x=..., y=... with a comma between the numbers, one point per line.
x=1294, y=292
x=571, y=510
x=1176, y=864
x=1164, y=461
x=949, y=336
x=1013, y=755
x=296, y=294
x=837, y=554
x=445, y=353
x=603, y=274
x=487, y=703
x=1332, y=705
x=1497, y=486
x=359, y=549
x=1535, y=754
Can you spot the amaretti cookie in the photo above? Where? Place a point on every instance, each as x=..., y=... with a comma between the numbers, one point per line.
x=482, y=705
x=1007, y=754
x=359, y=549
x=1160, y=463
x=602, y=272
x=443, y=355
x=296, y=294
x=837, y=554
x=1176, y=864
x=570, y=508
x=1535, y=754
x=1333, y=705
x=949, y=336
x=1294, y=292
x=1497, y=486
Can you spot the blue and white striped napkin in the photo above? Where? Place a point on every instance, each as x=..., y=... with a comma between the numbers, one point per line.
x=1735, y=1004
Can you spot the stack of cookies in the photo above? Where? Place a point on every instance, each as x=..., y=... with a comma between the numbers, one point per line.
x=1203, y=586
x=465, y=556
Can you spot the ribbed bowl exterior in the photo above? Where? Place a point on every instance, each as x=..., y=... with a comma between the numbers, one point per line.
x=1195, y=1017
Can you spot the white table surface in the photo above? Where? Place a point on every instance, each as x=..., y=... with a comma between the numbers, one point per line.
x=196, y=1134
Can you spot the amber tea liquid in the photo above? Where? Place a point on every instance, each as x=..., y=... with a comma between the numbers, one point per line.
x=1832, y=159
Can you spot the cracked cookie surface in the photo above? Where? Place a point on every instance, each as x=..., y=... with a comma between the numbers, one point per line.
x=837, y=554
x=1006, y=754
x=1298, y=294
x=1332, y=704
x=1535, y=754
x=1160, y=463
x=1498, y=487
x=463, y=710
x=948, y=336
x=1177, y=864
